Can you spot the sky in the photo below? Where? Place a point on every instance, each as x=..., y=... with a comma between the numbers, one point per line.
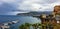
x=13, y=7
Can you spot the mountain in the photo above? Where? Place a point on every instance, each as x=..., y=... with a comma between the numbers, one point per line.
x=33, y=13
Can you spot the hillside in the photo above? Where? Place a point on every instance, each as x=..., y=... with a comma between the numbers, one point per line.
x=34, y=13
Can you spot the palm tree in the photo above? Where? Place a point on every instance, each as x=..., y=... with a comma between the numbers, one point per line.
x=39, y=26
x=35, y=26
x=25, y=26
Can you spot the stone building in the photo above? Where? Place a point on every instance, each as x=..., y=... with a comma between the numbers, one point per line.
x=51, y=21
x=57, y=13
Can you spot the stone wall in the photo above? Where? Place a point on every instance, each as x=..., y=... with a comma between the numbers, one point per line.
x=57, y=9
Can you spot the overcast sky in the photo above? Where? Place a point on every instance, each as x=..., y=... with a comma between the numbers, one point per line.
x=12, y=7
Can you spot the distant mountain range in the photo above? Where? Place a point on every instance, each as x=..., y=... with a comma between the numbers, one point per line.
x=34, y=13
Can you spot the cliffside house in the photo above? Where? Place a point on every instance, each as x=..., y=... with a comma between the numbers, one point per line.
x=51, y=21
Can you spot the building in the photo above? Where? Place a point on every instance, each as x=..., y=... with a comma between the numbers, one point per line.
x=51, y=21
x=57, y=15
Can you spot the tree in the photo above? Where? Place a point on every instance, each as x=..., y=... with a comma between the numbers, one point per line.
x=34, y=26
x=25, y=26
x=39, y=26
x=21, y=27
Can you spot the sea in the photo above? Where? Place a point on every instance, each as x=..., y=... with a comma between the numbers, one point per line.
x=22, y=20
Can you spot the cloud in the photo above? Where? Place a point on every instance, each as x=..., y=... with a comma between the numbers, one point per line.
x=8, y=1
x=6, y=6
x=14, y=13
x=26, y=5
x=38, y=5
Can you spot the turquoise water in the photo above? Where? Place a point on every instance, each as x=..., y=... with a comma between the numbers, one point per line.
x=22, y=20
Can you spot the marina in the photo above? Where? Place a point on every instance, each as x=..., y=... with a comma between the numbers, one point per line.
x=7, y=25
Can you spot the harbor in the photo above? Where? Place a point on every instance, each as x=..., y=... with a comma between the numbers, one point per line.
x=7, y=24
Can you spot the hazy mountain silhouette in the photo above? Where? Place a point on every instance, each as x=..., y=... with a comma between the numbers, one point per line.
x=34, y=13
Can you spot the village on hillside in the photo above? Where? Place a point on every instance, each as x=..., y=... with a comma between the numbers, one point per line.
x=51, y=21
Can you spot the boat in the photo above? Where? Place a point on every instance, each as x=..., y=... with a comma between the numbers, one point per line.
x=7, y=24
x=10, y=23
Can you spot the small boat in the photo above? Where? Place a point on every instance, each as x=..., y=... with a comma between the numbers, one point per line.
x=6, y=25
x=10, y=23
x=15, y=21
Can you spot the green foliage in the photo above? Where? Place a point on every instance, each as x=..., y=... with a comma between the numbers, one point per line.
x=27, y=26
x=21, y=27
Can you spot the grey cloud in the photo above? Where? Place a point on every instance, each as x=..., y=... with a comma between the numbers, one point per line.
x=13, y=6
